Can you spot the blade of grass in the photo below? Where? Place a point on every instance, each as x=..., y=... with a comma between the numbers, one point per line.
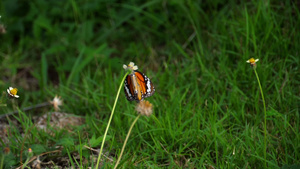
x=44, y=72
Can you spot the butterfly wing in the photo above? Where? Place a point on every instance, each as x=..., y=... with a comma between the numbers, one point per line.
x=129, y=88
x=138, y=86
x=147, y=87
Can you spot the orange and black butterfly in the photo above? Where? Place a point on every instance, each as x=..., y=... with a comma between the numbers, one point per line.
x=138, y=86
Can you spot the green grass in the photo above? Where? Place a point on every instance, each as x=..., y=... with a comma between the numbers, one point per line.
x=208, y=110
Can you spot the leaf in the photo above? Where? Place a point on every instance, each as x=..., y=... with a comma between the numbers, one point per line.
x=38, y=148
x=44, y=71
x=81, y=62
x=94, y=142
x=66, y=142
x=293, y=166
x=41, y=23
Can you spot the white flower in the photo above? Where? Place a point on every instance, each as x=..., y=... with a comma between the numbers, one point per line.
x=12, y=92
x=56, y=102
x=130, y=66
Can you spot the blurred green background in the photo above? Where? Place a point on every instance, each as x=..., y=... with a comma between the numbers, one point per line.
x=207, y=101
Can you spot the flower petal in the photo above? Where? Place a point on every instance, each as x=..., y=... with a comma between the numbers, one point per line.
x=16, y=96
x=131, y=64
x=125, y=67
x=10, y=88
x=135, y=67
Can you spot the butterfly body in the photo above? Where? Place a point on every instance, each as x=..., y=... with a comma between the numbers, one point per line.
x=138, y=86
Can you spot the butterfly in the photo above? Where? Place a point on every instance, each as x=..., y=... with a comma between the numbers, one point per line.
x=138, y=86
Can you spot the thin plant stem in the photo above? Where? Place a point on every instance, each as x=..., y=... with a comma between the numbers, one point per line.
x=125, y=142
x=265, y=119
x=26, y=109
x=110, y=118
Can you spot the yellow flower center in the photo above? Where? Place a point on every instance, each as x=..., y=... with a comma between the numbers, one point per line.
x=130, y=66
x=14, y=91
x=252, y=60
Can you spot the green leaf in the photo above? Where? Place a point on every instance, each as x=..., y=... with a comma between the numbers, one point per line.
x=38, y=148
x=44, y=71
x=66, y=142
x=94, y=142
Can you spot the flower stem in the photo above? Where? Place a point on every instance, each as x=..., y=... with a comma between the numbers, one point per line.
x=125, y=142
x=111, y=115
x=25, y=109
x=4, y=105
x=265, y=119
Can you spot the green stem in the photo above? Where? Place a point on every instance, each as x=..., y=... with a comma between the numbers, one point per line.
x=265, y=119
x=25, y=109
x=4, y=105
x=111, y=115
x=125, y=142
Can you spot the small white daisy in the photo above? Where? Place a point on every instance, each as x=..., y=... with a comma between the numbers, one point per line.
x=130, y=66
x=252, y=61
x=13, y=92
